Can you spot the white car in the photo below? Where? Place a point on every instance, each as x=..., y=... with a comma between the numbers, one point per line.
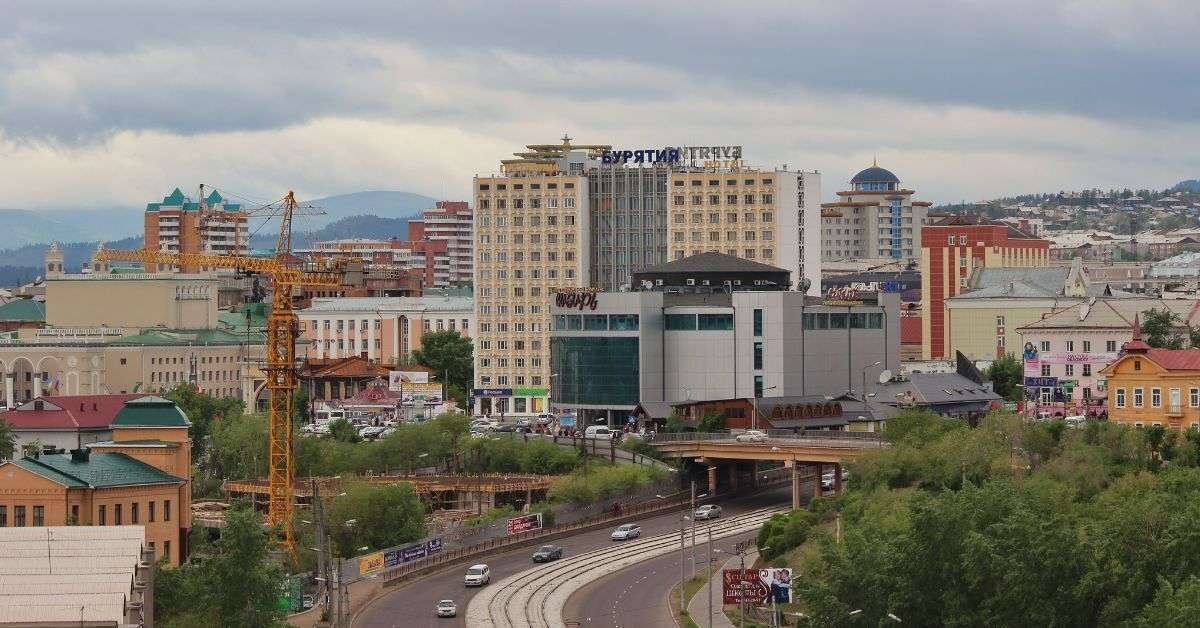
x=477, y=575
x=751, y=436
x=707, y=511
x=446, y=608
x=626, y=532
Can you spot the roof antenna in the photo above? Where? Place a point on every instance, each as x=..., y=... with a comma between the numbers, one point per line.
x=875, y=161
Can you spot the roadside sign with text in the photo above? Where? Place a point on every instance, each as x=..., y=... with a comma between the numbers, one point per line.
x=742, y=585
x=525, y=523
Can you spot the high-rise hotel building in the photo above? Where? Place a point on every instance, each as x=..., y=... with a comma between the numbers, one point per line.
x=565, y=217
x=210, y=225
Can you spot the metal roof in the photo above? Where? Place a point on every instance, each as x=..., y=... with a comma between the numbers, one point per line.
x=98, y=470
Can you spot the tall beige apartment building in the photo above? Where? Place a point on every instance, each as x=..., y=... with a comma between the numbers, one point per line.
x=769, y=216
x=530, y=241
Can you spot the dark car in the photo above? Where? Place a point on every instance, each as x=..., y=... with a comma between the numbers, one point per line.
x=547, y=553
x=506, y=428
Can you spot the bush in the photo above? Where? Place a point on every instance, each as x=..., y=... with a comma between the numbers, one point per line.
x=603, y=482
x=784, y=532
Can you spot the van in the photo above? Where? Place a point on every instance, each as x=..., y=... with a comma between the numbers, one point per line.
x=598, y=432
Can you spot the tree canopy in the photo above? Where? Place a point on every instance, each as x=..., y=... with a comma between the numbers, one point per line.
x=1007, y=522
x=8, y=440
x=449, y=354
x=1160, y=328
x=1006, y=375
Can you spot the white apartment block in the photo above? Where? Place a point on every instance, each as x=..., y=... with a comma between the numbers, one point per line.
x=875, y=220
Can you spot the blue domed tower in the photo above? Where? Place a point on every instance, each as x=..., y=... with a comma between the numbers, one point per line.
x=875, y=220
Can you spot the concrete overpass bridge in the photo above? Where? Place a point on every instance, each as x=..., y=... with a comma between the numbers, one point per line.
x=722, y=454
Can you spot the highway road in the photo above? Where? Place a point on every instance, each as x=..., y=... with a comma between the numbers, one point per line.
x=412, y=605
x=637, y=596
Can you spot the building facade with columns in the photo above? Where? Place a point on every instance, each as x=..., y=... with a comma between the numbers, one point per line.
x=384, y=330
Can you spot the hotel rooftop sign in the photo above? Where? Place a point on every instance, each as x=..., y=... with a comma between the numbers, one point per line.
x=671, y=154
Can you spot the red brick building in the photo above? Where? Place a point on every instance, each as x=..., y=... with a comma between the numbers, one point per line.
x=950, y=250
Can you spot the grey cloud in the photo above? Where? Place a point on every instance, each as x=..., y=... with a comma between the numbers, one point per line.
x=275, y=64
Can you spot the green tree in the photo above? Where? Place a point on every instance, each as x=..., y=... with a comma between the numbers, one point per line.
x=712, y=421
x=375, y=516
x=8, y=440
x=240, y=579
x=300, y=406
x=1172, y=606
x=344, y=431
x=203, y=411
x=448, y=354
x=1006, y=376
x=675, y=423
x=1160, y=328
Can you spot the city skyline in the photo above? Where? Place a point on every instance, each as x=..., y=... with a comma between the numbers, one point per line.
x=960, y=101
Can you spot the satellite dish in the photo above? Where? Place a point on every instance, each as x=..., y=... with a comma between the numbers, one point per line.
x=885, y=376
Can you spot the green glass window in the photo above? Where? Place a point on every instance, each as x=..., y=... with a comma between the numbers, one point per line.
x=623, y=322
x=681, y=322
x=876, y=321
x=758, y=355
x=596, y=370
x=715, y=322
x=574, y=322
x=758, y=386
x=595, y=322
x=837, y=321
x=858, y=321
x=758, y=321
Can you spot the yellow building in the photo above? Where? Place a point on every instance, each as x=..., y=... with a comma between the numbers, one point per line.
x=1148, y=386
x=141, y=477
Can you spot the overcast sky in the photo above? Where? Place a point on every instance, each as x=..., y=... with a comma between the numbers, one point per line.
x=115, y=103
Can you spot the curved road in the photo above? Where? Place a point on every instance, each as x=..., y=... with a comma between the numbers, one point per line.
x=637, y=596
x=412, y=605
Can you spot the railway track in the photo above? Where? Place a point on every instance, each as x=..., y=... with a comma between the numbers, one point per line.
x=536, y=597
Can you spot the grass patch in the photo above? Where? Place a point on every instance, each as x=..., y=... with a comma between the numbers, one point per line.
x=689, y=591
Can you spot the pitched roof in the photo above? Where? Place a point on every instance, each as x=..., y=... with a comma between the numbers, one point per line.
x=23, y=310
x=99, y=470
x=966, y=219
x=150, y=411
x=711, y=262
x=1175, y=359
x=1107, y=313
x=67, y=412
x=351, y=366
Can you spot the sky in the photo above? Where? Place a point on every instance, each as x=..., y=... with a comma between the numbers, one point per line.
x=116, y=103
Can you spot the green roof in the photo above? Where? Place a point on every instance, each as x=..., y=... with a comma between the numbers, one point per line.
x=150, y=411
x=186, y=337
x=174, y=198
x=214, y=198
x=23, y=310
x=98, y=471
x=235, y=320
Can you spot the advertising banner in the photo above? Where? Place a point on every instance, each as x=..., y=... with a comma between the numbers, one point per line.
x=779, y=583
x=742, y=585
x=1077, y=358
x=394, y=557
x=425, y=390
x=1041, y=382
x=407, y=377
x=517, y=525
x=370, y=562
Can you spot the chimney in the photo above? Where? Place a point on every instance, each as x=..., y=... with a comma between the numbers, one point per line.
x=39, y=405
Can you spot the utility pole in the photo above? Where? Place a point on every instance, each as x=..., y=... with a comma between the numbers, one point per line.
x=682, y=567
x=710, y=576
x=322, y=546
x=693, y=528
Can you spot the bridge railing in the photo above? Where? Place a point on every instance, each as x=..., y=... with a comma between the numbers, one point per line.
x=830, y=438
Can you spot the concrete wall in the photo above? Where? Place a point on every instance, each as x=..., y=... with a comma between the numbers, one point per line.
x=132, y=302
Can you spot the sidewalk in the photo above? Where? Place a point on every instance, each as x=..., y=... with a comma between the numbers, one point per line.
x=698, y=607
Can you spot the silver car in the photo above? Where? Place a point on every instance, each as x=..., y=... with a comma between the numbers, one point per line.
x=707, y=511
x=446, y=608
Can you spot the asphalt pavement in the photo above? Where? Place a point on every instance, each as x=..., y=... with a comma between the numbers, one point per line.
x=412, y=605
x=637, y=596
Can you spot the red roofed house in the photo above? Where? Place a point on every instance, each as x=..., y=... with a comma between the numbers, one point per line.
x=66, y=421
x=1149, y=386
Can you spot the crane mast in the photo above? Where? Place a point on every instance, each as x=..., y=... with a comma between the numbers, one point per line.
x=280, y=352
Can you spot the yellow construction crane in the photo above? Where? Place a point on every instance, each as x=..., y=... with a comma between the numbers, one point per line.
x=280, y=359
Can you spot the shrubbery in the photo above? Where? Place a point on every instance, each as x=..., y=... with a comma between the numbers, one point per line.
x=602, y=482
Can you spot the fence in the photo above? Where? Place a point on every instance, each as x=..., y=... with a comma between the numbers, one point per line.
x=814, y=437
x=396, y=575
x=595, y=447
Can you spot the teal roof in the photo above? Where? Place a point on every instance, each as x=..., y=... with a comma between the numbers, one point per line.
x=23, y=310
x=186, y=337
x=174, y=198
x=150, y=411
x=214, y=198
x=98, y=471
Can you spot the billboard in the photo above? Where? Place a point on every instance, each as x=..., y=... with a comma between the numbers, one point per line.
x=517, y=525
x=392, y=557
x=756, y=586
x=396, y=379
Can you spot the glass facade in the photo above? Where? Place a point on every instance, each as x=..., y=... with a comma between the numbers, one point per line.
x=715, y=322
x=758, y=355
x=841, y=321
x=595, y=370
x=758, y=321
x=681, y=322
x=596, y=322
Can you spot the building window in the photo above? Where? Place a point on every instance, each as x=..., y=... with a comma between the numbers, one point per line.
x=166, y=510
x=1155, y=397
x=19, y=516
x=1121, y=397
x=39, y=516
x=1045, y=345
x=1069, y=370
x=150, y=514
x=1087, y=370
x=1137, y=397
x=758, y=355
x=133, y=513
x=1194, y=397
x=1087, y=346
x=117, y=514
x=758, y=322
x=1045, y=370
x=1070, y=346
x=1110, y=346
x=758, y=386
x=75, y=513
x=3, y=516
x=102, y=516
x=167, y=550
